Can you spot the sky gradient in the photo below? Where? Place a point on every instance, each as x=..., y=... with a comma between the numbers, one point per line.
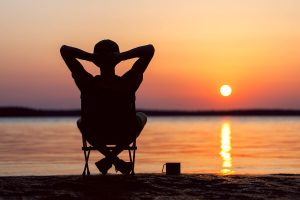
x=254, y=46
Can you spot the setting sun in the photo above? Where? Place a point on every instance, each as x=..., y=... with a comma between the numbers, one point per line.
x=225, y=90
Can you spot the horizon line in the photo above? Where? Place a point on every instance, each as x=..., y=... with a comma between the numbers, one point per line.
x=15, y=111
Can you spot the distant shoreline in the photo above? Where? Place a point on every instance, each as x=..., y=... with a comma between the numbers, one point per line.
x=31, y=112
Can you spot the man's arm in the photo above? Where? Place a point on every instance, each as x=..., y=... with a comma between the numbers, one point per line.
x=70, y=56
x=144, y=53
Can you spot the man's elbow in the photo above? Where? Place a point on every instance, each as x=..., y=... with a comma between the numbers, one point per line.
x=64, y=50
x=151, y=49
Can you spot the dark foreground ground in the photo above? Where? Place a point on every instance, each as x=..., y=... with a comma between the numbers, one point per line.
x=152, y=186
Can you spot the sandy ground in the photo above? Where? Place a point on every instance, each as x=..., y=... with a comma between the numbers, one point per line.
x=152, y=186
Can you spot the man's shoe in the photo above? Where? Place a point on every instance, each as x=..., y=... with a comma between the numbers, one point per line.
x=123, y=167
x=104, y=165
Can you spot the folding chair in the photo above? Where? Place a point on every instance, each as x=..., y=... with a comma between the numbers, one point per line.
x=88, y=148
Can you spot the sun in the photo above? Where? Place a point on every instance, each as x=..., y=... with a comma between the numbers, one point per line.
x=225, y=90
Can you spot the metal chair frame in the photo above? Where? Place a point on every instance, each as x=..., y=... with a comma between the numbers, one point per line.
x=87, y=148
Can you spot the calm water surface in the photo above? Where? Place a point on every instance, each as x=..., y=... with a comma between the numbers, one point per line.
x=239, y=145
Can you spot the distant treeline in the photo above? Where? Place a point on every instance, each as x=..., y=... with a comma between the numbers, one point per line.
x=29, y=112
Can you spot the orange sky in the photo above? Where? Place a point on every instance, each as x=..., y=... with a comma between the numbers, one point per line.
x=254, y=46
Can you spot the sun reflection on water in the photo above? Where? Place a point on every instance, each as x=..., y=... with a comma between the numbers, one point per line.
x=226, y=149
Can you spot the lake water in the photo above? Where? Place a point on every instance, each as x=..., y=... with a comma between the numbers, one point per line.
x=221, y=145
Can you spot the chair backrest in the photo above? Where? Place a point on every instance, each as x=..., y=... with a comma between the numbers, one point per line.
x=108, y=113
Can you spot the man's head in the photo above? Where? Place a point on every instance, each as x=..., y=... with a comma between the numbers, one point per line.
x=106, y=46
x=105, y=49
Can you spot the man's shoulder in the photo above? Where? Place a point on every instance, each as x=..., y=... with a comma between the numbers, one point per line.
x=82, y=81
x=132, y=79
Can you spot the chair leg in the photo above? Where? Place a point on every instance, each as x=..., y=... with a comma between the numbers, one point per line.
x=133, y=163
x=130, y=157
x=86, y=170
x=132, y=160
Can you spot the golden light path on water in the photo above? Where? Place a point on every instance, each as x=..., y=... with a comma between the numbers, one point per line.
x=226, y=149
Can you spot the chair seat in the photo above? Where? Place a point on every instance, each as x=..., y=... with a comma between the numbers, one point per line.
x=109, y=147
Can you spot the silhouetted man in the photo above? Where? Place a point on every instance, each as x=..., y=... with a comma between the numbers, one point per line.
x=108, y=113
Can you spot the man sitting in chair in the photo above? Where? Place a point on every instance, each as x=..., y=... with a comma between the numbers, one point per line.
x=108, y=113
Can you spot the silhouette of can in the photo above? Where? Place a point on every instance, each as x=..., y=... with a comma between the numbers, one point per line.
x=172, y=168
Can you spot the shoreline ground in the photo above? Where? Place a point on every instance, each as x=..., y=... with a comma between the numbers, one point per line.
x=151, y=186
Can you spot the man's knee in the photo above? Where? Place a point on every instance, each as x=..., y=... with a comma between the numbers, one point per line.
x=79, y=123
x=80, y=126
x=142, y=119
